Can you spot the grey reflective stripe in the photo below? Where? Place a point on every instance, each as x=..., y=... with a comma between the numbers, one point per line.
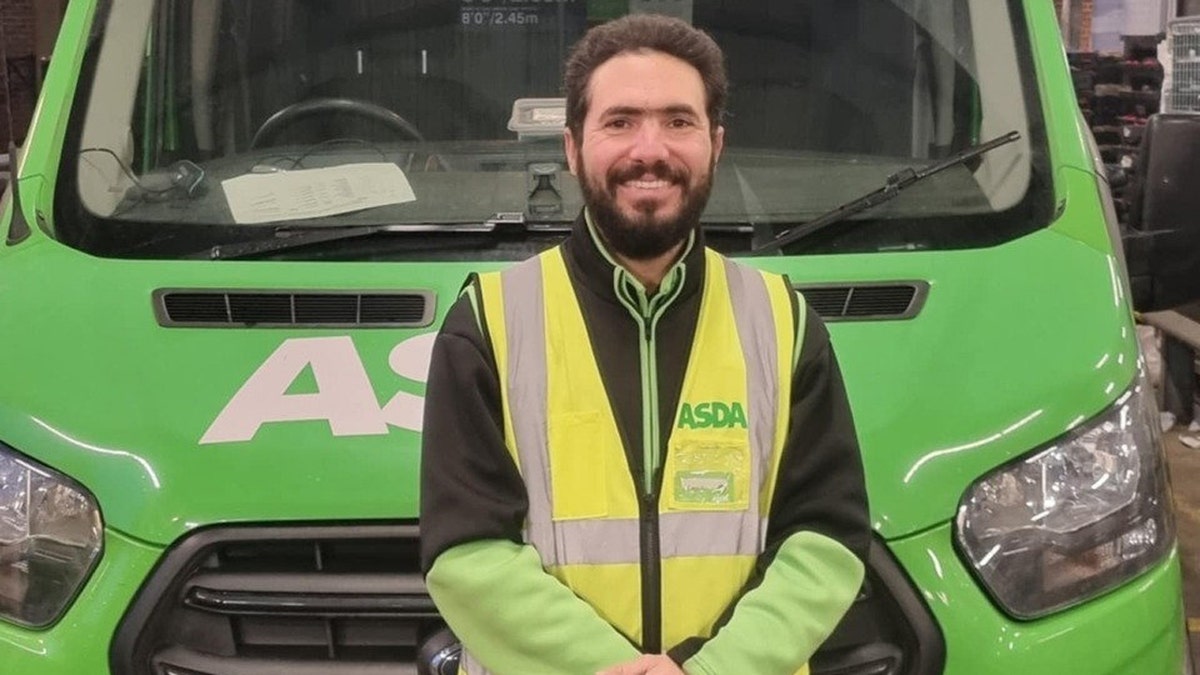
x=691, y=533
x=682, y=533
x=756, y=330
x=525, y=325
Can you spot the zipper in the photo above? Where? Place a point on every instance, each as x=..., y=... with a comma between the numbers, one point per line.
x=646, y=311
x=651, y=577
x=651, y=564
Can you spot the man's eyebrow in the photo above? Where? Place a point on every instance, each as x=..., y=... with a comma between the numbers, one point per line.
x=680, y=109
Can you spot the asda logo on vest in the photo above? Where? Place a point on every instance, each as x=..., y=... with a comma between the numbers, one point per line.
x=712, y=415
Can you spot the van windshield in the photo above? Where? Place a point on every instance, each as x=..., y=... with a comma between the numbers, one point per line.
x=200, y=123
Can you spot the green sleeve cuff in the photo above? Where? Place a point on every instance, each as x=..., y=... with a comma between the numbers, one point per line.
x=777, y=627
x=514, y=618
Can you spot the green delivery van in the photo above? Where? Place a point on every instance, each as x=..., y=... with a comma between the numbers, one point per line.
x=236, y=224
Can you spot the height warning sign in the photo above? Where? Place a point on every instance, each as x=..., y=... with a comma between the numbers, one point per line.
x=502, y=14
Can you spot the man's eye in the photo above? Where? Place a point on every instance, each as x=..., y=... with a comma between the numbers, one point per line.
x=680, y=123
x=618, y=123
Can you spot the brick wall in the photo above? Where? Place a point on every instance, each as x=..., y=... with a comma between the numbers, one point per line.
x=1086, y=11
x=1080, y=21
x=18, y=77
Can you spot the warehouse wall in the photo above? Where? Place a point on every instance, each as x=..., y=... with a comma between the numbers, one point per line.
x=18, y=77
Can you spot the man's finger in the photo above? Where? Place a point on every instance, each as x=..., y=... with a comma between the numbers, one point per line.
x=639, y=666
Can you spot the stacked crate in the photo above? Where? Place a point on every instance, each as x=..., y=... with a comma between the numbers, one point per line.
x=1183, y=47
x=1118, y=93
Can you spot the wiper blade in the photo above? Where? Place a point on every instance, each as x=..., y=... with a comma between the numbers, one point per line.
x=286, y=237
x=895, y=184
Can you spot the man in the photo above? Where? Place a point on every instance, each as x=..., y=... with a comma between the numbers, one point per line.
x=638, y=456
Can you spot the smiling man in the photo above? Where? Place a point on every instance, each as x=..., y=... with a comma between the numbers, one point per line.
x=650, y=153
x=638, y=455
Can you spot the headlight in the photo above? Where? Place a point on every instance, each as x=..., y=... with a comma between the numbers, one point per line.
x=1076, y=518
x=50, y=538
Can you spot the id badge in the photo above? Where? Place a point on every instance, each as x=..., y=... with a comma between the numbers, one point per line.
x=708, y=476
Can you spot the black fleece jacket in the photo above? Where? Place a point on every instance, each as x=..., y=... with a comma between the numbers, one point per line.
x=472, y=490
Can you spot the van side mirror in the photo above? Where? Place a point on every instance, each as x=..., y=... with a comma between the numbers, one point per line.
x=1162, y=240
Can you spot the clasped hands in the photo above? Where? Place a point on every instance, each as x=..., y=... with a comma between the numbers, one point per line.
x=646, y=664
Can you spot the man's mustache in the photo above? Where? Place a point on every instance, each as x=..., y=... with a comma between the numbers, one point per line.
x=659, y=170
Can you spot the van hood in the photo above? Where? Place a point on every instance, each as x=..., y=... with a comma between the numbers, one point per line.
x=1014, y=346
x=173, y=428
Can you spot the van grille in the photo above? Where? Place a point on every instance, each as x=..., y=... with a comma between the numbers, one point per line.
x=272, y=309
x=249, y=601
x=866, y=301
x=350, y=600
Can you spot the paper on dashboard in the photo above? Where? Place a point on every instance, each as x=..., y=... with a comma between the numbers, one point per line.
x=315, y=193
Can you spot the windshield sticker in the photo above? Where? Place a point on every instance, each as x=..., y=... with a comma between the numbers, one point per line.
x=315, y=193
x=344, y=396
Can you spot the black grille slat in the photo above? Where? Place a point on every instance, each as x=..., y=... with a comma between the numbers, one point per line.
x=392, y=308
x=252, y=308
x=827, y=302
x=315, y=583
x=170, y=662
x=880, y=300
x=270, y=309
x=317, y=309
x=874, y=301
x=328, y=605
x=197, y=308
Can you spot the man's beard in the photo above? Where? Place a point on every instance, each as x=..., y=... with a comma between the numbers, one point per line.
x=644, y=236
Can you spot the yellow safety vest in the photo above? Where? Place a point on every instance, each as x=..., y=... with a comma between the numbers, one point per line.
x=722, y=456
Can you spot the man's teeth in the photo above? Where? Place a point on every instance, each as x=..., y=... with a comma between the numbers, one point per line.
x=648, y=184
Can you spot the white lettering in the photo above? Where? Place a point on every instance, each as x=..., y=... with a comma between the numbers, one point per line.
x=344, y=395
x=409, y=359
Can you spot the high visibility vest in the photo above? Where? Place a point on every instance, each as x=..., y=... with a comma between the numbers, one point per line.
x=721, y=460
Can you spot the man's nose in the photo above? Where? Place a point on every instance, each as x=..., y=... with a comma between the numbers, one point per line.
x=649, y=144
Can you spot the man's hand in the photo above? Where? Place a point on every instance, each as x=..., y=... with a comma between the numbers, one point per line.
x=647, y=664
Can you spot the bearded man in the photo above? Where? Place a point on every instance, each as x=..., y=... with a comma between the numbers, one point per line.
x=638, y=455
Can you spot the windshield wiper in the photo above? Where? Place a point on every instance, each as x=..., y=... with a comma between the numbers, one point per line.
x=286, y=237
x=895, y=184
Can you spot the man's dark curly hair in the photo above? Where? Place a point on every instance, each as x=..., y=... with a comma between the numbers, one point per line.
x=641, y=33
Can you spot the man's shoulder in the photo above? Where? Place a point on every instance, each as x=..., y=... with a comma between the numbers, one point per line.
x=745, y=268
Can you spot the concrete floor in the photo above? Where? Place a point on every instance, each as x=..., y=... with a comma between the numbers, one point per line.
x=1184, y=465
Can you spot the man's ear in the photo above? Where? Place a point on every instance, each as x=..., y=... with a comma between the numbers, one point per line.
x=718, y=144
x=569, y=148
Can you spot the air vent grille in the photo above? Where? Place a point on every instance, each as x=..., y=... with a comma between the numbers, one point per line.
x=866, y=301
x=274, y=309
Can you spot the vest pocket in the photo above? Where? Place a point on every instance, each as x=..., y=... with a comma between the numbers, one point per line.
x=578, y=465
x=707, y=475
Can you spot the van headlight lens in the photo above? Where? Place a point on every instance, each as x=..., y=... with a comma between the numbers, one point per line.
x=1075, y=518
x=50, y=539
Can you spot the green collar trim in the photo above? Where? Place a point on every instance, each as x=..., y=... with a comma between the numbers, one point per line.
x=672, y=280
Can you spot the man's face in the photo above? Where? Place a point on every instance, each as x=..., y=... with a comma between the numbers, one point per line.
x=646, y=153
